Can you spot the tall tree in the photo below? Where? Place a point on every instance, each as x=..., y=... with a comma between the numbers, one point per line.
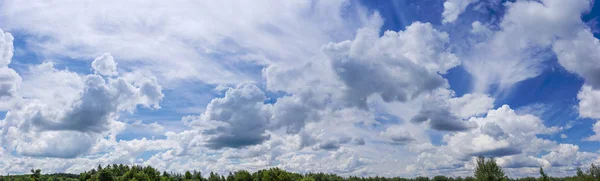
x=35, y=174
x=544, y=176
x=488, y=170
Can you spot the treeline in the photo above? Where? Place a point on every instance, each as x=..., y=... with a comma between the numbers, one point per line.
x=486, y=170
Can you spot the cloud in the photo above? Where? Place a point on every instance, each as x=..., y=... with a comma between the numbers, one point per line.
x=440, y=118
x=453, y=8
x=10, y=81
x=470, y=105
x=568, y=155
x=398, y=135
x=6, y=48
x=589, y=99
x=89, y=112
x=150, y=38
x=521, y=161
x=237, y=120
x=397, y=66
x=502, y=132
x=510, y=137
x=105, y=65
x=445, y=112
x=596, y=136
x=580, y=55
x=538, y=26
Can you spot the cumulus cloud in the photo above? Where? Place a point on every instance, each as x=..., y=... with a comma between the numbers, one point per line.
x=470, y=105
x=396, y=66
x=568, y=155
x=9, y=79
x=589, y=99
x=6, y=48
x=105, y=65
x=508, y=136
x=445, y=112
x=580, y=55
x=85, y=115
x=521, y=161
x=318, y=108
x=501, y=133
x=239, y=119
x=398, y=135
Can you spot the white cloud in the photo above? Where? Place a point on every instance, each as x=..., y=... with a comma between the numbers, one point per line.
x=86, y=114
x=589, y=99
x=398, y=135
x=581, y=55
x=6, y=48
x=326, y=98
x=453, y=8
x=237, y=120
x=397, y=66
x=515, y=52
x=207, y=44
x=105, y=65
x=510, y=137
x=10, y=81
x=596, y=136
x=470, y=105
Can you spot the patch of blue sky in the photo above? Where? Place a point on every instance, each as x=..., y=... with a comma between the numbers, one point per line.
x=147, y=154
x=459, y=80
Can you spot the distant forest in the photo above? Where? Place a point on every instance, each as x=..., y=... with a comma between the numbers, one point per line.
x=486, y=170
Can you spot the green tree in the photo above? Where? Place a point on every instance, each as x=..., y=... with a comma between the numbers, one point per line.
x=488, y=170
x=544, y=177
x=188, y=175
x=242, y=175
x=35, y=174
x=105, y=175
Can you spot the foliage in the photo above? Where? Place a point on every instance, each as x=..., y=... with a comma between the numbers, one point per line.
x=487, y=170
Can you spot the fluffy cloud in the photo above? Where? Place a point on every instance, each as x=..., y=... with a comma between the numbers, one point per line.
x=343, y=107
x=398, y=135
x=105, y=65
x=9, y=79
x=396, y=66
x=596, y=136
x=508, y=136
x=453, y=8
x=445, y=112
x=6, y=48
x=239, y=119
x=589, y=99
x=470, y=105
x=502, y=132
x=32, y=127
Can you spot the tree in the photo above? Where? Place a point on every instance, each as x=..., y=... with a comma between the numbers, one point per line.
x=188, y=175
x=488, y=170
x=105, y=175
x=35, y=174
x=242, y=175
x=544, y=176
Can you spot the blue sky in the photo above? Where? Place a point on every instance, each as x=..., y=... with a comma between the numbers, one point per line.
x=388, y=88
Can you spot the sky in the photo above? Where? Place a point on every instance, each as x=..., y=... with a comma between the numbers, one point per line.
x=367, y=88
